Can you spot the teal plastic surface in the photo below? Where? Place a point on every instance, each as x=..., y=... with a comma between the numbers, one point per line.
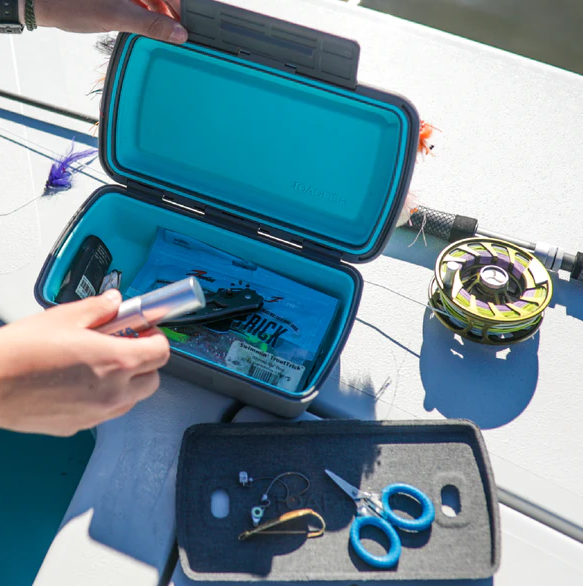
x=128, y=228
x=39, y=477
x=317, y=161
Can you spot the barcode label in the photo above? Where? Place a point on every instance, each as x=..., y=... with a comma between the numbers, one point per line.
x=264, y=367
x=85, y=288
x=264, y=375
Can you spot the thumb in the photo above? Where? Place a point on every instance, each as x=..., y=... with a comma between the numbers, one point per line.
x=135, y=19
x=93, y=311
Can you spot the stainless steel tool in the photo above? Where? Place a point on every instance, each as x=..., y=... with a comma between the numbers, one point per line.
x=162, y=305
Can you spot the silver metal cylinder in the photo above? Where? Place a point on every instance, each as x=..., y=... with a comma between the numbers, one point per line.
x=494, y=278
x=451, y=269
x=146, y=311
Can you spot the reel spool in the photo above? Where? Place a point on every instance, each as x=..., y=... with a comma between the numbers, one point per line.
x=490, y=291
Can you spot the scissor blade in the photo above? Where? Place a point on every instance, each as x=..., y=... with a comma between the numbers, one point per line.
x=353, y=492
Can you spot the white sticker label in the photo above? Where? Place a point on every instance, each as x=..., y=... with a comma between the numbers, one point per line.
x=85, y=288
x=264, y=367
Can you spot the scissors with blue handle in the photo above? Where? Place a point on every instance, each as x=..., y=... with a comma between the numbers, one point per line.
x=372, y=512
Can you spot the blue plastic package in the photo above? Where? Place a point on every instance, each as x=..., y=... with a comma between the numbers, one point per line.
x=277, y=345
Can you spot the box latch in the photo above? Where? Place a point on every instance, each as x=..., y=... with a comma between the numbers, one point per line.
x=295, y=48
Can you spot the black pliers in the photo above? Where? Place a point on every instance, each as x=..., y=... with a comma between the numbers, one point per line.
x=224, y=304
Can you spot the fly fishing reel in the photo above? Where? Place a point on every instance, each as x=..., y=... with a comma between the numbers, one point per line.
x=490, y=291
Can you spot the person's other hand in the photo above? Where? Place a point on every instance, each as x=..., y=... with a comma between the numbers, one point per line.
x=58, y=377
x=152, y=18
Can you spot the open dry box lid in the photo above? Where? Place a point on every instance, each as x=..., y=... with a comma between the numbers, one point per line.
x=262, y=122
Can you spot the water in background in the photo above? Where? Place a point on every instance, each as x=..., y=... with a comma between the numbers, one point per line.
x=550, y=31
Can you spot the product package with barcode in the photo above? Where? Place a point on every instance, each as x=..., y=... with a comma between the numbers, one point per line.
x=278, y=344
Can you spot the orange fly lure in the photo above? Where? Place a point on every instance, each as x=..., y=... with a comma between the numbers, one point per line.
x=425, y=133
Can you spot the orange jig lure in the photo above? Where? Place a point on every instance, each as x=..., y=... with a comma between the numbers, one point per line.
x=425, y=134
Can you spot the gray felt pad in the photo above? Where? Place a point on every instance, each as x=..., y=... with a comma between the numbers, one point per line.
x=369, y=455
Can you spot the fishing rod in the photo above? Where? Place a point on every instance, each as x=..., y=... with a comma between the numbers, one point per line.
x=454, y=227
x=48, y=107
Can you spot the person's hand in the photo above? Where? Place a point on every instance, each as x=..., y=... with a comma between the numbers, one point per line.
x=58, y=377
x=152, y=18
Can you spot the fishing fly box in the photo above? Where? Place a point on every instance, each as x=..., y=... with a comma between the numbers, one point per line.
x=255, y=138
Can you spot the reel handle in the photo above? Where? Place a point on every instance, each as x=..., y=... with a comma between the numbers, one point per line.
x=577, y=270
x=571, y=263
x=450, y=227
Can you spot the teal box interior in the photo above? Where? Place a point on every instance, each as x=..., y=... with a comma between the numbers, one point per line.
x=302, y=173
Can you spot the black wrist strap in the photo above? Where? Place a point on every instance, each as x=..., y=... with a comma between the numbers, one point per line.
x=9, y=22
x=29, y=18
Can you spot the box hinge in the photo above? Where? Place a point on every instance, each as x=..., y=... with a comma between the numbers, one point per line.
x=270, y=41
x=271, y=234
x=136, y=187
x=177, y=201
x=184, y=204
x=231, y=222
x=323, y=252
x=311, y=249
x=237, y=224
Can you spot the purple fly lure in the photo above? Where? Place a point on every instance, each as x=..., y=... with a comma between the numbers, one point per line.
x=61, y=173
